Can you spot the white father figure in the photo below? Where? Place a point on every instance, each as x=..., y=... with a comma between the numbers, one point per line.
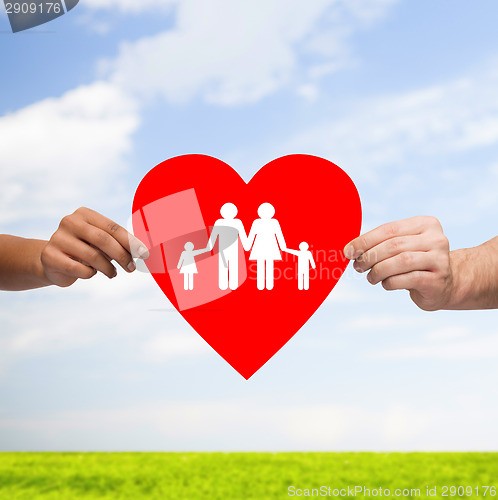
x=228, y=231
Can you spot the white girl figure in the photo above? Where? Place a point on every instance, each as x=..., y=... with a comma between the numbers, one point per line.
x=304, y=261
x=267, y=237
x=187, y=265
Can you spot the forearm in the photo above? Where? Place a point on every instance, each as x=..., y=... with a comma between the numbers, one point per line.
x=20, y=264
x=475, y=277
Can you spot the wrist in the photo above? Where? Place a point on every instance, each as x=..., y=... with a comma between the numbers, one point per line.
x=475, y=283
x=461, y=278
x=37, y=268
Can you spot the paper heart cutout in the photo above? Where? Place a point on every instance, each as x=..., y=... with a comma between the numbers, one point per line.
x=179, y=201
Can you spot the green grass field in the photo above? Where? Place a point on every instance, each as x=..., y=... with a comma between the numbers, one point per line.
x=214, y=476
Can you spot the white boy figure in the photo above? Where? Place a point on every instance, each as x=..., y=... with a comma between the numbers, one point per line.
x=187, y=265
x=304, y=261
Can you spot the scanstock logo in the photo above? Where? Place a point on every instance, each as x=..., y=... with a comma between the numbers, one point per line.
x=26, y=15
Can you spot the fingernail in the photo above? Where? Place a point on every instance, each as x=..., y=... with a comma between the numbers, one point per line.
x=143, y=253
x=131, y=266
x=357, y=267
x=115, y=273
x=369, y=278
x=349, y=252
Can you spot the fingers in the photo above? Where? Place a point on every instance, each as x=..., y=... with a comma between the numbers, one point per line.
x=411, y=254
x=127, y=240
x=85, y=243
x=86, y=254
x=104, y=242
x=391, y=248
x=409, y=281
x=60, y=263
x=401, y=264
x=77, y=269
x=106, y=236
x=365, y=242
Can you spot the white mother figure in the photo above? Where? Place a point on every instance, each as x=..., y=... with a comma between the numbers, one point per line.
x=264, y=240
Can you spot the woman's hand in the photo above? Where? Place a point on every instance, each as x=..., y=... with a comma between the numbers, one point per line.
x=87, y=242
x=411, y=254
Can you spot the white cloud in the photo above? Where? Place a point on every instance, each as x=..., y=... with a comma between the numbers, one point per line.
x=369, y=10
x=61, y=152
x=447, y=343
x=173, y=345
x=128, y=306
x=366, y=10
x=217, y=425
x=377, y=321
x=350, y=288
x=64, y=152
x=485, y=193
x=403, y=423
x=448, y=333
x=129, y=6
x=237, y=424
x=453, y=117
x=308, y=91
x=232, y=53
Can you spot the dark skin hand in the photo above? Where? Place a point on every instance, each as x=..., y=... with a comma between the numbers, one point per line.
x=85, y=243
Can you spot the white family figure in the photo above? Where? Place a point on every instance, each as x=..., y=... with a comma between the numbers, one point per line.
x=304, y=261
x=187, y=265
x=265, y=238
x=265, y=241
x=228, y=230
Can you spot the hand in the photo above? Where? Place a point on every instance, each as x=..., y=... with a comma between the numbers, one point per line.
x=411, y=254
x=87, y=242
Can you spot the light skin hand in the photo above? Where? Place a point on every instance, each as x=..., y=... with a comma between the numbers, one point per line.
x=85, y=243
x=411, y=254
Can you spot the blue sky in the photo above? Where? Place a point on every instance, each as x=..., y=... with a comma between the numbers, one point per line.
x=402, y=95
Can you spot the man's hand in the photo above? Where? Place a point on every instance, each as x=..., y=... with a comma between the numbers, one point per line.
x=87, y=242
x=411, y=254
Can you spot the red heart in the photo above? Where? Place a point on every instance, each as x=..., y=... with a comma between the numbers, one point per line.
x=179, y=201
